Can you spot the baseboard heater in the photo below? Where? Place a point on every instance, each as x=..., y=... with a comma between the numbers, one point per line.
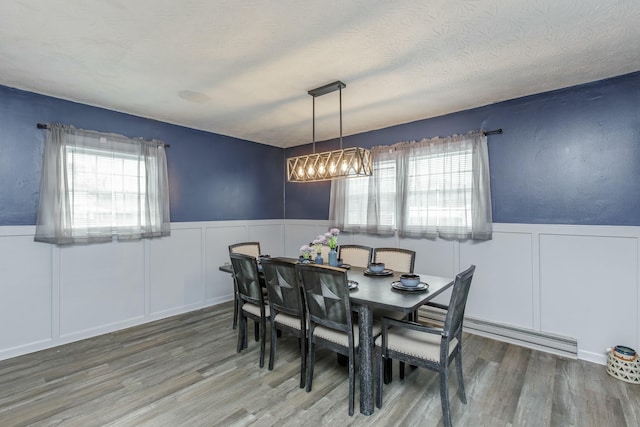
x=562, y=346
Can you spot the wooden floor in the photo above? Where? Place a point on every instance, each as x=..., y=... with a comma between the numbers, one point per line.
x=184, y=371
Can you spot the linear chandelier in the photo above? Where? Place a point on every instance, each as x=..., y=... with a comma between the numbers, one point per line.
x=328, y=165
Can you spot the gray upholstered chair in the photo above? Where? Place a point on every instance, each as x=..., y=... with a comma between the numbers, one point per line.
x=329, y=318
x=251, y=300
x=355, y=255
x=427, y=347
x=286, y=305
x=246, y=248
x=396, y=259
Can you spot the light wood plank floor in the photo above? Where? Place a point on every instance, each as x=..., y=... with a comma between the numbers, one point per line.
x=184, y=371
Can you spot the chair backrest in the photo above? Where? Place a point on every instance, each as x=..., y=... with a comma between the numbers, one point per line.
x=327, y=296
x=457, y=303
x=246, y=248
x=245, y=271
x=356, y=255
x=283, y=287
x=396, y=259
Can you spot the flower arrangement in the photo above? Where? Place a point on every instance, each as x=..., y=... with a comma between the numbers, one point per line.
x=332, y=237
x=319, y=242
x=329, y=238
x=305, y=251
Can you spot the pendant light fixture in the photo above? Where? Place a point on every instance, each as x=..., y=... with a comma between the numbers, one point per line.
x=328, y=165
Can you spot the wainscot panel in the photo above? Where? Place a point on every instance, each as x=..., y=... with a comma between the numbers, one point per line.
x=502, y=289
x=101, y=288
x=25, y=292
x=176, y=282
x=589, y=290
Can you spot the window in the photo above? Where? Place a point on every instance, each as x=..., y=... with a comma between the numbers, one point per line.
x=96, y=187
x=106, y=189
x=439, y=191
x=436, y=187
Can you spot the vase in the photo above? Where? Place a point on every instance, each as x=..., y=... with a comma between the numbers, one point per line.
x=304, y=260
x=319, y=259
x=333, y=257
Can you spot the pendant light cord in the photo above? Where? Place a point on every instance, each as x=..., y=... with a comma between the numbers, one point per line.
x=313, y=132
x=340, y=116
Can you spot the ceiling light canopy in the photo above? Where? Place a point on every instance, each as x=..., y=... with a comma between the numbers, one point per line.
x=328, y=165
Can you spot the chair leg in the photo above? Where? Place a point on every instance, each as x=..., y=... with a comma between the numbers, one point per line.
x=272, y=349
x=236, y=305
x=388, y=370
x=310, y=361
x=303, y=360
x=444, y=396
x=263, y=340
x=462, y=394
x=401, y=370
x=242, y=331
x=380, y=365
x=256, y=329
x=352, y=380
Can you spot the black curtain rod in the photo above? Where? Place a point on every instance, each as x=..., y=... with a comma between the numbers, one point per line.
x=46, y=126
x=493, y=132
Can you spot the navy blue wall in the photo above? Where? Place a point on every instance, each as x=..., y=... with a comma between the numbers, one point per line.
x=205, y=182
x=570, y=156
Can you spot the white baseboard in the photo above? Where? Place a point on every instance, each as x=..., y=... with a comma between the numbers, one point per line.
x=550, y=343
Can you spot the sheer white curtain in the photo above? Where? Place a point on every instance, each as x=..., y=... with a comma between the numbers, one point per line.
x=97, y=186
x=443, y=188
x=435, y=187
x=366, y=204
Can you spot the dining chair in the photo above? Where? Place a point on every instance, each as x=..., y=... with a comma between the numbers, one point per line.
x=396, y=259
x=286, y=306
x=428, y=347
x=329, y=319
x=355, y=255
x=246, y=248
x=251, y=300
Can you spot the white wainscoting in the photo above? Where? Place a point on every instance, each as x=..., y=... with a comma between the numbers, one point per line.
x=51, y=295
x=580, y=282
x=575, y=281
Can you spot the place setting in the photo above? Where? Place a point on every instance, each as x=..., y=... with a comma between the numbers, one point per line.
x=410, y=283
x=377, y=269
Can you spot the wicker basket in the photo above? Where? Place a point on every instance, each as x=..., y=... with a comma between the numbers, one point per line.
x=625, y=370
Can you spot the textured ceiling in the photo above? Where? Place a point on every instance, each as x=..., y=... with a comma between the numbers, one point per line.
x=243, y=68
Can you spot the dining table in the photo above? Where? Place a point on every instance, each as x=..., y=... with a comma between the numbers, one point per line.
x=375, y=291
